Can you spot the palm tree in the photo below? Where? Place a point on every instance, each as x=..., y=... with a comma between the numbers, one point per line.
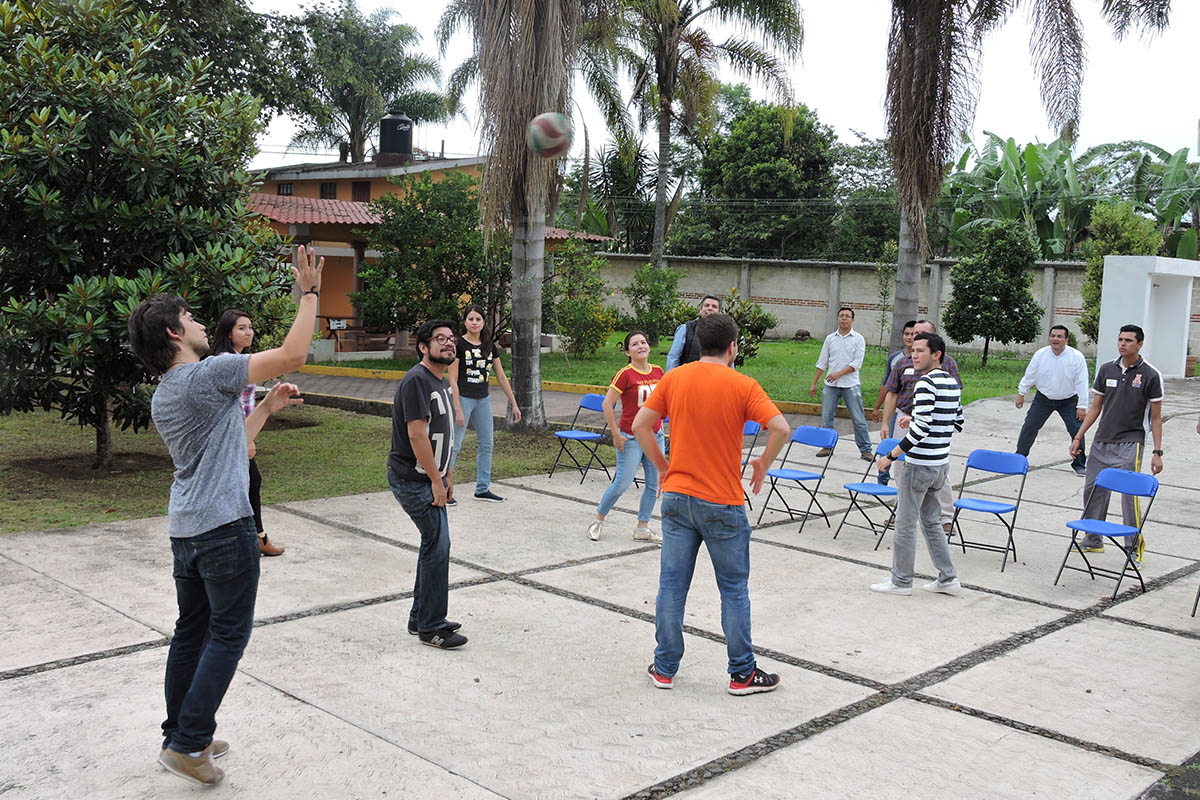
x=359, y=68
x=673, y=62
x=523, y=55
x=933, y=51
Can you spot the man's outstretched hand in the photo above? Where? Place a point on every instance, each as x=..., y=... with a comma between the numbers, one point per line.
x=281, y=395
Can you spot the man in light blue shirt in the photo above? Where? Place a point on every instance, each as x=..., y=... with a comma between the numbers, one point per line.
x=841, y=361
x=686, y=347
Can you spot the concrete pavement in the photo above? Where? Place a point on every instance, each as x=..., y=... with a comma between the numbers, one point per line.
x=1018, y=688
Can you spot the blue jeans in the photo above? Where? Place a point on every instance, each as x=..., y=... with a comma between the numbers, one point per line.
x=479, y=416
x=852, y=395
x=1039, y=411
x=432, y=584
x=627, y=464
x=725, y=531
x=216, y=582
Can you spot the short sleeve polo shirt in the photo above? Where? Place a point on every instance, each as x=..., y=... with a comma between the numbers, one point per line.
x=1128, y=393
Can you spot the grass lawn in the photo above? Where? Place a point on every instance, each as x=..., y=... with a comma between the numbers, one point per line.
x=784, y=369
x=303, y=453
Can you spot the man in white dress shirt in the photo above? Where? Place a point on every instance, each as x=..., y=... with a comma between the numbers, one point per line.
x=1060, y=374
x=841, y=361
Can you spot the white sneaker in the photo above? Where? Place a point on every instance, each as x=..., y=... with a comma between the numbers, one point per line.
x=594, y=530
x=953, y=588
x=887, y=587
x=646, y=535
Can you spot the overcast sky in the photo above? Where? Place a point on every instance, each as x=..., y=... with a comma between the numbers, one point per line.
x=1134, y=89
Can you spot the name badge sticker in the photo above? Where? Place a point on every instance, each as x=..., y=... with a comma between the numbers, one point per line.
x=1111, y=382
x=909, y=371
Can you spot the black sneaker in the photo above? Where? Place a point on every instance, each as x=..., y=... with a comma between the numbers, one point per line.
x=445, y=639
x=490, y=496
x=451, y=502
x=753, y=682
x=449, y=626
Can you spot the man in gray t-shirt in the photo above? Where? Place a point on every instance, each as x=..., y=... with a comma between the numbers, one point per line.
x=197, y=411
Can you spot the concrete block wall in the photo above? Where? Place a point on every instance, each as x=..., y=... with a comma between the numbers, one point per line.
x=806, y=294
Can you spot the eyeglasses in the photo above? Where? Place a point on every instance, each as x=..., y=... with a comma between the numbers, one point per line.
x=443, y=339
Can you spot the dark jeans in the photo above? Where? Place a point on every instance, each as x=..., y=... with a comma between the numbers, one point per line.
x=432, y=585
x=216, y=581
x=1039, y=411
x=255, y=497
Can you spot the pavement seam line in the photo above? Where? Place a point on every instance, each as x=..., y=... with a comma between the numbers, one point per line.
x=369, y=732
x=86, y=658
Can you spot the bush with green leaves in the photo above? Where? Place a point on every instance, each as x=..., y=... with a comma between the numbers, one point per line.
x=573, y=300
x=652, y=296
x=991, y=296
x=1117, y=230
x=120, y=176
x=753, y=324
x=432, y=259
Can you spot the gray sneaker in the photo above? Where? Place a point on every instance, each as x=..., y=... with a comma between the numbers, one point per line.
x=646, y=535
x=197, y=769
x=953, y=588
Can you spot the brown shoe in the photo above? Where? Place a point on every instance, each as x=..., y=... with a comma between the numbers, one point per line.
x=266, y=548
x=948, y=528
x=217, y=748
x=199, y=769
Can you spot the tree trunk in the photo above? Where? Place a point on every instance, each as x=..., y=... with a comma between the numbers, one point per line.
x=103, y=436
x=660, y=185
x=986, y=341
x=908, y=281
x=528, y=265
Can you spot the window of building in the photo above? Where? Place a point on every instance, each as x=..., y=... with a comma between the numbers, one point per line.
x=360, y=191
x=284, y=189
x=329, y=191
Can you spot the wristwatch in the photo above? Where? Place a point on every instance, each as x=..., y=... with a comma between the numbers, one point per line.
x=1157, y=452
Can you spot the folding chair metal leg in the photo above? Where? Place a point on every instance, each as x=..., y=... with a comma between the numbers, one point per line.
x=1196, y=602
x=853, y=504
x=767, y=503
x=1130, y=563
x=562, y=445
x=812, y=495
x=955, y=525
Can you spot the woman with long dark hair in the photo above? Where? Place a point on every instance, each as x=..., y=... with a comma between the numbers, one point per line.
x=631, y=385
x=472, y=402
x=235, y=334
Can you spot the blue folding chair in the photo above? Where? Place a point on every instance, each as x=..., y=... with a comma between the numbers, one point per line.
x=875, y=490
x=1000, y=464
x=589, y=441
x=751, y=428
x=1121, y=481
x=809, y=436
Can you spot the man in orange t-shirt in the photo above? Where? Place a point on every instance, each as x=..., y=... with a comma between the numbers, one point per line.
x=708, y=405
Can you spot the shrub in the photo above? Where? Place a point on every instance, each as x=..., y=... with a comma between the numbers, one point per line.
x=1117, y=230
x=753, y=324
x=573, y=300
x=652, y=295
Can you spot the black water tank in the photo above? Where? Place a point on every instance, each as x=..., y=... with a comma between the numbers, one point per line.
x=395, y=134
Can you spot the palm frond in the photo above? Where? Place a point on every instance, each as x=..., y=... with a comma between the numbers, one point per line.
x=1056, y=45
x=1151, y=16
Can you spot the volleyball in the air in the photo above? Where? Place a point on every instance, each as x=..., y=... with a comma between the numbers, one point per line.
x=549, y=134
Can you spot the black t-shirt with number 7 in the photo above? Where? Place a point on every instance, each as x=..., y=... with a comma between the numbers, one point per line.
x=421, y=395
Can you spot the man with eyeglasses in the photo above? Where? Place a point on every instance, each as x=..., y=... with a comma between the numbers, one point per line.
x=420, y=477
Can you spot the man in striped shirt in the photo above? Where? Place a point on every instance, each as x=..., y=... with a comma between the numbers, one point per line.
x=937, y=414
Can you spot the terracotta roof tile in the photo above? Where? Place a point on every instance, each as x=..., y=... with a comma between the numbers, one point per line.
x=564, y=233
x=306, y=210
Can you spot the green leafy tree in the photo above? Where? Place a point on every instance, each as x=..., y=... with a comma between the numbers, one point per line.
x=120, y=176
x=574, y=300
x=991, y=296
x=765, y=188
x=652, y=296
x=247, y=51
x=432, y=260
x=356, y=69
x=1117, y=230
